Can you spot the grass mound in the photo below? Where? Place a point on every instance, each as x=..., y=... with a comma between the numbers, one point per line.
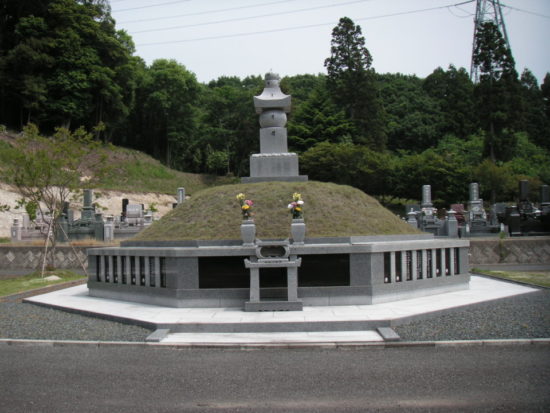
x=330, y=211
x=138, y=172
x=134, y=171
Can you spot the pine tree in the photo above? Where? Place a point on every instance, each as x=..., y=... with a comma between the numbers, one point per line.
x=533, y=119
x=318, y=119
x=545, y=89
x=351, y=83
x=498, y=92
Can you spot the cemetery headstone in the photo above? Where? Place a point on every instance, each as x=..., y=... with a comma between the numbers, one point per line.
x=181, y=195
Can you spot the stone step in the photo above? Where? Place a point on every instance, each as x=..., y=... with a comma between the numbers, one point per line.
x=272, y=326
x=273, y=305
x=274, y=337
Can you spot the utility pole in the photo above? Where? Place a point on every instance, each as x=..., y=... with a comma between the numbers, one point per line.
x=486, y=11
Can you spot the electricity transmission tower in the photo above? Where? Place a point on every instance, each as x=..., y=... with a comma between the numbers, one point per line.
x=486, y=11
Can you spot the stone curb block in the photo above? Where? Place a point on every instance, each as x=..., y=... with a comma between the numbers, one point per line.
x=157, y=335
x=259, y=346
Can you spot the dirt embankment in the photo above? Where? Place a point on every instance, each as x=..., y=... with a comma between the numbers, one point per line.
x=109, y=201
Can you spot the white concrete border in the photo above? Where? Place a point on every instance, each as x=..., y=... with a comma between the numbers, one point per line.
x=76, y=299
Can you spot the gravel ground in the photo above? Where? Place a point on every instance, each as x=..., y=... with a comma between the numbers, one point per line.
x=29, y=321
x=523, y=316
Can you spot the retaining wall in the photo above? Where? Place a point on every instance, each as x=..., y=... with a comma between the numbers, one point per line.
x=17, y=258
x=483, y=251
x=523, y=250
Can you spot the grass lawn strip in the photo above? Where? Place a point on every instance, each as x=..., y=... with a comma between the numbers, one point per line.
x=33, y=281
x=538, y=278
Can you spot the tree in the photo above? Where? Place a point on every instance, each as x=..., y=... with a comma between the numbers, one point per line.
x=545, y=89
x=447, y=177
x=529, y=159
x=495, y=180
x=228, y=125
x=318, y=119
x=534, y=120
x=454, y=91
x=349, y=164
x=25, y=66
x=48, y=171
x=11, y=11
x=466, y=152
x=301, y=86
x=497, y=93
x=64, y=64
x=414, y=119
x=168, y=107
x=351, y=83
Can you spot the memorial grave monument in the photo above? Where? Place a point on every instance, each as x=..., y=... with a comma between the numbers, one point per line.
x=91, y=224
x=274, y=162
x=545, y=207
x=354, y=250
x=520, y=218
x=424, y=217
x=477, y=222
x=525, y=218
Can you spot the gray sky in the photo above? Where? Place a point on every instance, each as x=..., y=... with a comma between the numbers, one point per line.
x=213, y=38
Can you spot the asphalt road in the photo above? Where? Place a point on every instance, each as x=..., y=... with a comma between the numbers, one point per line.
x=139, y=379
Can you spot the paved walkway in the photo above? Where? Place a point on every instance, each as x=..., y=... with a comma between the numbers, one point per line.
x=225, y=325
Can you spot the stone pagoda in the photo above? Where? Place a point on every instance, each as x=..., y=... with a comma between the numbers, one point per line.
x=274, y=162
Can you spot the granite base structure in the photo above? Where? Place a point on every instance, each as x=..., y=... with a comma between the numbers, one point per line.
x=332, y=271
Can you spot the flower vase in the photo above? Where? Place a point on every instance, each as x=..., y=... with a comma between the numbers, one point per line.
x=298, y=231
x=248, y=232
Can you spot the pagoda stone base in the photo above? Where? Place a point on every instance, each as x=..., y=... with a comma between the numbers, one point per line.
x=253, y=180
x=274, y=167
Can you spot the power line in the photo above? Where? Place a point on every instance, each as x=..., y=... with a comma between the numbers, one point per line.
x=250, y=17
x=309, y=26
x=207, y=12
x=465, y=15
x=152, y=5
x=525, y=11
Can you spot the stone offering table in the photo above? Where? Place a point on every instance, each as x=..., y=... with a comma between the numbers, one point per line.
x=273, y=254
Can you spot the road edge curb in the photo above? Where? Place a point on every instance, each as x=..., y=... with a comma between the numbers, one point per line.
x=279, y=345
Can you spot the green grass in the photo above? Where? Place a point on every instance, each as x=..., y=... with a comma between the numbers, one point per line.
x=33, y=280
x=5, y=240
x=330, y=211
x=538, y=278
x=4, y=151
x=134, y=171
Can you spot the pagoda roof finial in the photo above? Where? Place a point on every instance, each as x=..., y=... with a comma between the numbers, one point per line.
x=272, y=97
